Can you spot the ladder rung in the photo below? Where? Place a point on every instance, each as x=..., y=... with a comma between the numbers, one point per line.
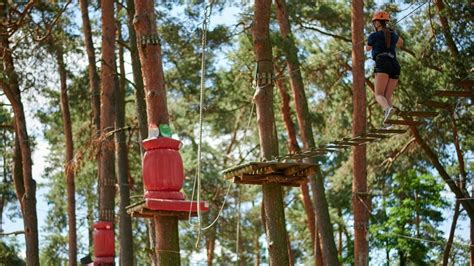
x=423, y=114
x=454, y=93
x=404, y=122
x=388, y=131
x=436, y=104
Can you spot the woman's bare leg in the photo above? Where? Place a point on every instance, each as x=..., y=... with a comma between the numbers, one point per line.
x=392, y=84
x=381, y=83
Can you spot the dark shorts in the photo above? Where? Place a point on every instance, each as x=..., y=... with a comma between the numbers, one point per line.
x=388, y=66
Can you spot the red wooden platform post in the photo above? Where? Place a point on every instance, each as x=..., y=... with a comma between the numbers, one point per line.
x=162, y=165
x=104, y=245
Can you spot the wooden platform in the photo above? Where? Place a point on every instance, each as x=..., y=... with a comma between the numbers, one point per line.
x=260, y=173
x=144, y=209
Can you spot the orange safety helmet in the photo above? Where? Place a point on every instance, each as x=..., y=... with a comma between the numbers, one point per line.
x=380, y=15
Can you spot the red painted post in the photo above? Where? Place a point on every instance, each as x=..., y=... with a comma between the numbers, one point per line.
x=104, y=245
x=163, y=172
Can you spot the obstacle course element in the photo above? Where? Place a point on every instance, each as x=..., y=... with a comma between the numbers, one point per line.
x=259, y=173
x=163, y=178
x=275, y=171
x=104, y=245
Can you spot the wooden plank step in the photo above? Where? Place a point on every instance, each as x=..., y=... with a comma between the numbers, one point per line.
x=388, y=131
x=374, y=135
x=422, y=114
x=436, y=104
x=454, y=93
x=337, y=146
x=350, y=143
x=404, y=122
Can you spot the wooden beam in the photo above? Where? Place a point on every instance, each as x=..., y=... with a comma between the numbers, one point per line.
x=422, y=114
x=404, y=122
x=437, y=105
x=374, y=135
x=459, y=94
x=389, y=131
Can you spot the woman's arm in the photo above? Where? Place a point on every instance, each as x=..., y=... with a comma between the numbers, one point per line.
x=400, y=41
x=368, y=47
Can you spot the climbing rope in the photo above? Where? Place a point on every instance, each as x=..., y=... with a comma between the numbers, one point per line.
x=197, y=180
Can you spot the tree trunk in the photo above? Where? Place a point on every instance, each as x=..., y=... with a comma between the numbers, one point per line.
x=446, y=29
x=210, y=246
x=157, y=112
x=359, y=120
x=460, y=193
x=125, y=229
x=69, y=156
x=10, y=86
x=272, y=193
x=94, y=82
x=447, y=249
x=293, y=148
x=137, y=73
x=107, y=111
x=322, y=215
x=167, y=247
x=151, y=64
x=140, y=104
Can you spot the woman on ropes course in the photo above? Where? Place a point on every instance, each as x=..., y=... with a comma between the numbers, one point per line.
x=382, y=43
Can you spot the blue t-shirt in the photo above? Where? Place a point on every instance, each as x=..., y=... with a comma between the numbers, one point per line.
x=377, y=41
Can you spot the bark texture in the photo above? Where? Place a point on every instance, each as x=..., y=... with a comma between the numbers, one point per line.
x=167, y=240
x=151, y=63
x=107, y=117
x=157, y=113
x=323, y=221
x=137, y=73
x=447, y=249
x=94, y=82
x=11, y=88
x=360, y=201
x=69, y=157
x=272, y=193
x=453, y=49
x=121, y=167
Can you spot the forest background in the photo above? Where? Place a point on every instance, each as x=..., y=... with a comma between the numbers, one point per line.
x=323, y=40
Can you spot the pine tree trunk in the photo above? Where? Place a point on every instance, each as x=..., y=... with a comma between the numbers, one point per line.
x=293, y=148
x=107, y=111
x=167, y=239
x=140, y=104
x=210, y=246
x=69, y=156
x=167, y=246
x=94, y=82
x=322, y=213
x=121, y=166
x=359, y=120
x=453, y=49
x=137, y=73
x=460, y=193
x=11, y=89
x=449, y=244
x=272, y=193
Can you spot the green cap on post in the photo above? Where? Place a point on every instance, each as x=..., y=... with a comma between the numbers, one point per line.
x=165, y=130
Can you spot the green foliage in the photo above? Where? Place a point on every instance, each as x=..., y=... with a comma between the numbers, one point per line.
x=9, y=254
x=411, y=203
x=411, y=211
